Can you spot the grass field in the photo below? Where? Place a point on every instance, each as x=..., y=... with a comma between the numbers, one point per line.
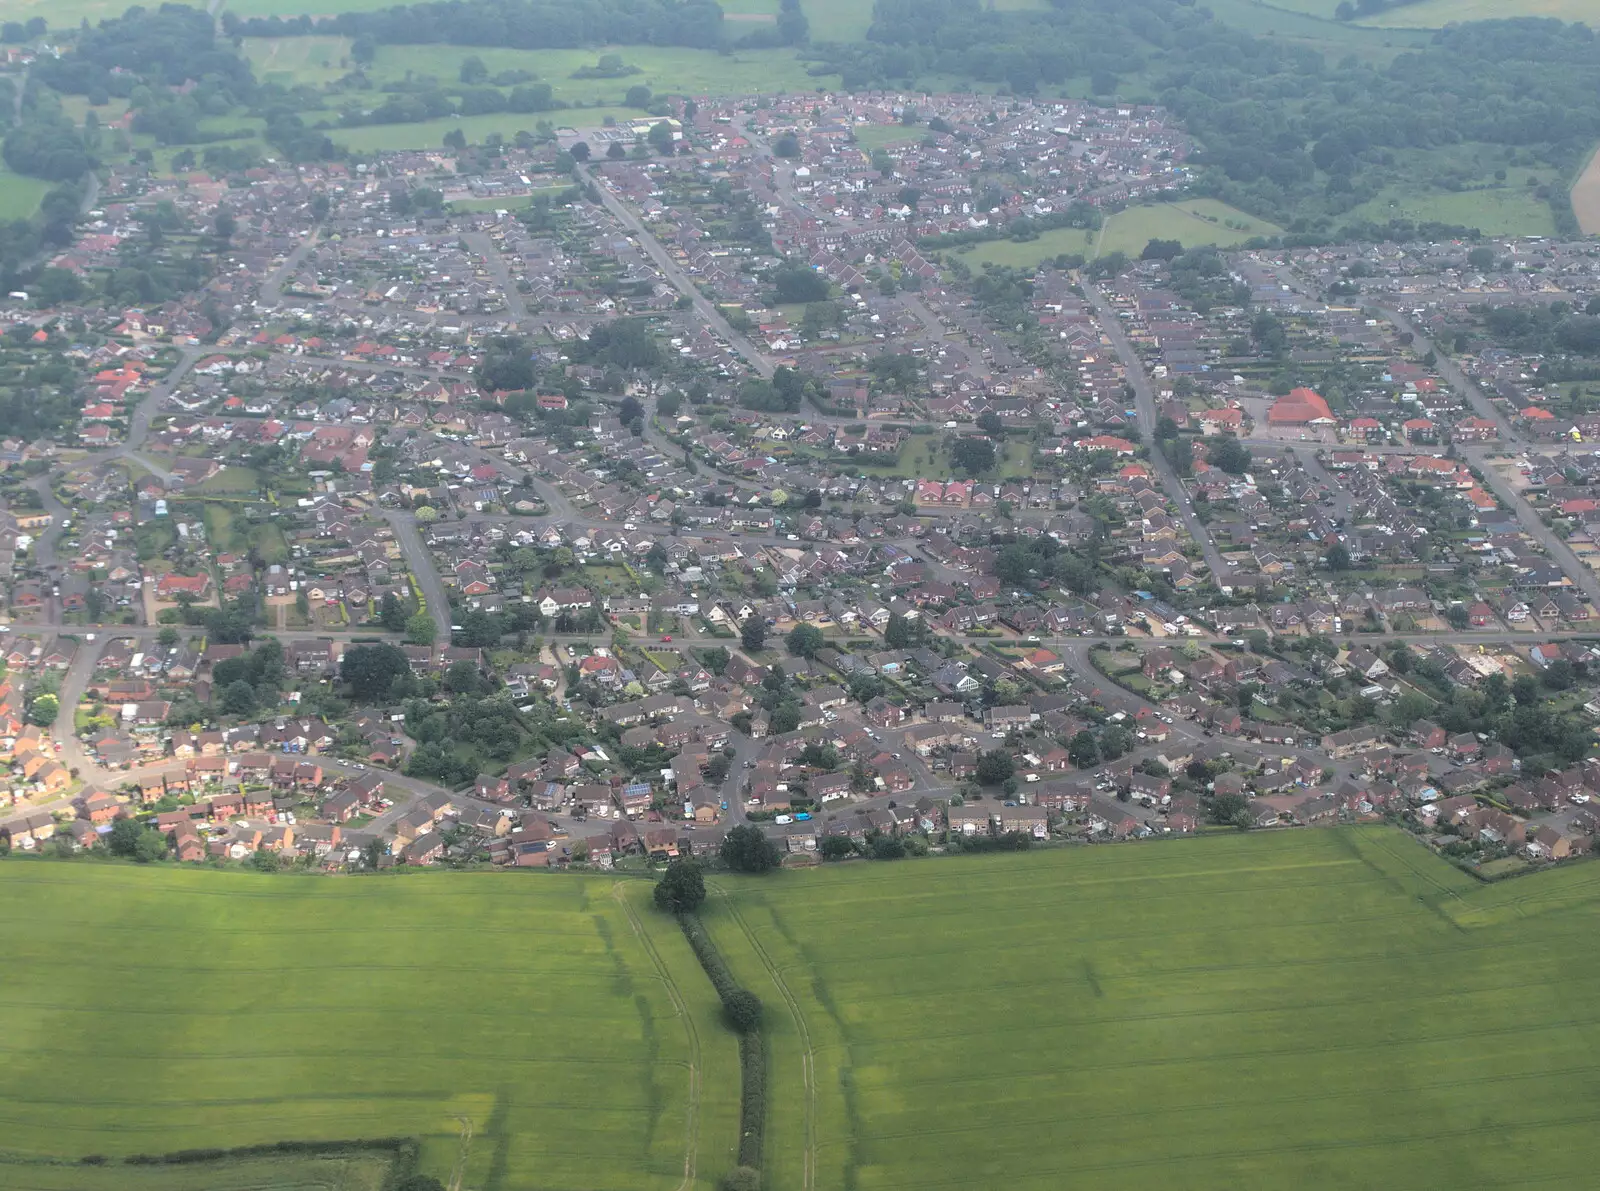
x=151, y=1010
x=663, y=69
x=1510, y=210
x=1435, y=14
x=230, y=481
x=20, y=195
x=291, y=60
x=1316, y=1010
x=1310, y=23
x=1193, y=221
x=356, y=1172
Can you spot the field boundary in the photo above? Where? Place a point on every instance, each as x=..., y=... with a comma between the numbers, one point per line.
x=807, y=1054
x=691, y=1032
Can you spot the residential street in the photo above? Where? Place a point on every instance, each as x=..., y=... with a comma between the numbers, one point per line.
x=1145, y=403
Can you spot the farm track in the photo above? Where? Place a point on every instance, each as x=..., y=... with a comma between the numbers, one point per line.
x=692, y=1113
x=807, y=1055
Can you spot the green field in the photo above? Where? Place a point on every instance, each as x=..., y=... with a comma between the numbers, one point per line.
x=1311, y=1010
x=355, y=1172
x=291, y=60
x=1434, y=14
x=664, y=69
x=20, y=195
x=529, y=1024
x=1193, y=221
x=1509, y=210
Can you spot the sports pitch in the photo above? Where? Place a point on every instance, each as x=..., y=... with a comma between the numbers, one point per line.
x=527, y=1032
x=1316, y=1010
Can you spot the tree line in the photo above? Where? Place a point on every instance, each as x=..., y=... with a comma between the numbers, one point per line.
x=516, y=24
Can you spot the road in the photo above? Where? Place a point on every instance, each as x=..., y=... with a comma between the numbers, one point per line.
x=484, y=243
x=1145, y=404
x=674, y=273
x=420, y=561
x=272, y=287
x=1459, y=380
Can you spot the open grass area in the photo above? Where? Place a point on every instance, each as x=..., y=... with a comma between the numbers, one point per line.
x=1503, y=210
x=673, y=69
x=1312, y=1010
x=230, y=481
x=1193, y=221
x=292, y=60
x=20, y=195
x=885, y=136
x=151, y=1010
x=1435, y=14
x=1310, y=23
x=352, y=1172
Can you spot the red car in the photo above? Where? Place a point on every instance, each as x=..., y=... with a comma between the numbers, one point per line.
x=666, y=636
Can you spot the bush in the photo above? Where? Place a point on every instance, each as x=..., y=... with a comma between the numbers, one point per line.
x=742, y=1178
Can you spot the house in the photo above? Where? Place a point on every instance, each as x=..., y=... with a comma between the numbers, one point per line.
x=1340, y=745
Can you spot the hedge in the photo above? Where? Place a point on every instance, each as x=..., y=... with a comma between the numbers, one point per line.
x=736, y=1007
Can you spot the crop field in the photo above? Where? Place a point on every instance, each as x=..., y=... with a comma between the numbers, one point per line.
x=531, y=1033
x=1312, y=1010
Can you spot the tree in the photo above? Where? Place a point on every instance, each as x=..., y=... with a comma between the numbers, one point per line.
x=239, y=698
x=897, y=633
x=745, y=849
x=225, y=225
x=638, y=96
x=580, y=151
x=454, y=139
x=662, y=139
x=629, y=410
x=973, y=455
x=799, y=284
x=420, y=629
x=615, y=151
x=1457, y=615
x=1338, y=558
x=989, y=422
x=473, y=71
x=370, y=670
x=167, y=637
x=1230, y=810
x=805, y=641
x=742, y=1008
x=391, y=614
x=837, y=847
x=1231, y=455
x=753, y=633
x=682, y=887
x=1082, y=750
x=994, y=767
x=787, y=145
x=131, y=840
x=44, y=709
